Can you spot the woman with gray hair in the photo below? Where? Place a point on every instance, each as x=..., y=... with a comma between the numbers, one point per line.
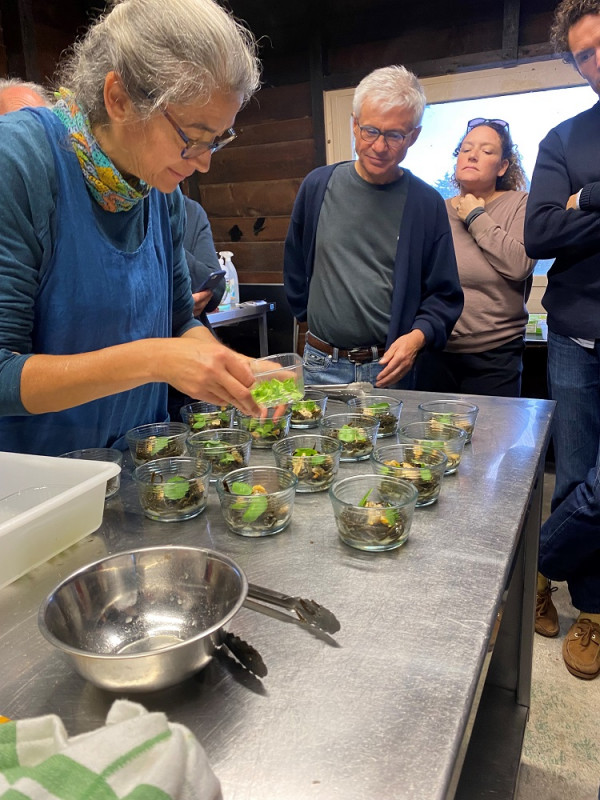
x=96, y=311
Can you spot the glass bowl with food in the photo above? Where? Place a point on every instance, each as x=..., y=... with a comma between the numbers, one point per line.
x=422, y=467
x=313, y=459
x=433, y=435
x=265, y=430
x=201, y=416
x=356, y=432
x=173, y=489
x=452, y=412
x=308, y=412
x=226, y=449
x=278, y=380
x=373, y=512
x=257, y=501
x=157, y=440
x=385, y=409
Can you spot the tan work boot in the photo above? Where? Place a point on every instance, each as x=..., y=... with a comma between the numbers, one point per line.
x=581, y=649
x=546, y=615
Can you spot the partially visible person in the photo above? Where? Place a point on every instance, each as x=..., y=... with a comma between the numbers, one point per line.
x=484, y=354
x=201, y=256
x=16, y=94
x=570, y=551
x=369, y=260
x=96, y=310
x=563, y=222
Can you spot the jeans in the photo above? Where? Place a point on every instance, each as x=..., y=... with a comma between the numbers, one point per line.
x=574, y=382
x=570, y=544
x=320, y=369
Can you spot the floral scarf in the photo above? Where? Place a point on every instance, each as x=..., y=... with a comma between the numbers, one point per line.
x=104, y=181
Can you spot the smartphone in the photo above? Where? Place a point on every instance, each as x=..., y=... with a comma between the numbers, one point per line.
x=212, y=281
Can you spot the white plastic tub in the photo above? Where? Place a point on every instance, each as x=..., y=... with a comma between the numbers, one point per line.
x=46, y=505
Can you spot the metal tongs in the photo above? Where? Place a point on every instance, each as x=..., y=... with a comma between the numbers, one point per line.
x=343, y=391
x=308, y=612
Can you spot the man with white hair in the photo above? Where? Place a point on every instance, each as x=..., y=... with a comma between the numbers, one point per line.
x=369, y=259
x=16, y=94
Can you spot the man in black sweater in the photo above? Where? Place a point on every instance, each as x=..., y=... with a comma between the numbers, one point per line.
x=563, y=222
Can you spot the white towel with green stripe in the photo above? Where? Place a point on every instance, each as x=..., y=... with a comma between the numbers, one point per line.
x=137, y=755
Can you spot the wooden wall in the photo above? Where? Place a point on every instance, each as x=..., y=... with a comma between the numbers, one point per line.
x=250, y=189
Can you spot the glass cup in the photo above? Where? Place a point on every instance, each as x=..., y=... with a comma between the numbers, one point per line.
x=173, y=489
x=308, y=412
x=226, y=449
x=265, y=431
x=278, y=380
x=313, y=459
x=432, y=435
x=385, y=409
x=373, y=512
x=257, y=501
x=451, y=412
x=101, y=454
x=201, y=416
x=356, y=432
x=157, y=440
x=411, y=462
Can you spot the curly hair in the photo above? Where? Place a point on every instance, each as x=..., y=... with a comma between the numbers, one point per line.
x=514, y=178
x=566, y=14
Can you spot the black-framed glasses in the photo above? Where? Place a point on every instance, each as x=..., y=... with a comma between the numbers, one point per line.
x=194, y=147
x=393, y=139
x=474, y=123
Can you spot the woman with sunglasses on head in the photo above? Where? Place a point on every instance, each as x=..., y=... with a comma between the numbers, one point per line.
x=96, y=310
x=484, y=354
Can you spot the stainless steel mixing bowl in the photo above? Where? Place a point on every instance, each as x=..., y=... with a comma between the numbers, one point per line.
x=144, y=619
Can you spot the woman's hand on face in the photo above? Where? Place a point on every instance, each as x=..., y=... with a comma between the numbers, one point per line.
x=466, y=203
x=203, y=368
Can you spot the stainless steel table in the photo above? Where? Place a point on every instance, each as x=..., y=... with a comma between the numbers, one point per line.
x=252, y=309
x=423, y=693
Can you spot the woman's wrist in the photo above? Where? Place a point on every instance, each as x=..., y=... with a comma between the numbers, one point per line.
x=473, y=214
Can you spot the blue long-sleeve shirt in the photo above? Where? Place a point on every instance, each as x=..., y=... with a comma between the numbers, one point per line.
x=568, y=162
x=426, y=295
x=28, y=232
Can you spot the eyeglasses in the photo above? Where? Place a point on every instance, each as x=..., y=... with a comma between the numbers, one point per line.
x=474, y=123
x=393, y=139
x=194, y=147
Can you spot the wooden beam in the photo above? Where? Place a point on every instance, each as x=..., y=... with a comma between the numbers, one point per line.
x=510, y=29
x=19, y=39
x=316, y=82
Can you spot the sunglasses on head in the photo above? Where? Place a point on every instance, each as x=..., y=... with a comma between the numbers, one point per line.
x=474, y=123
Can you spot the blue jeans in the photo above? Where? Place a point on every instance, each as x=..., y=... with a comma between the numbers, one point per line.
x=570, y=544
x=320, y=369
x=574, y=382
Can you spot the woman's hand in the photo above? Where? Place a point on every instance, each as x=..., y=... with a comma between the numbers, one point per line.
x=201, y=300
x=466, y=203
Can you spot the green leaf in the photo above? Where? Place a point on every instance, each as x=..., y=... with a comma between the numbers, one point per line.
x=446, y=419
x=379, y=406
x=226, y=458
x=176, y=487
x=309, y=405
x=256, y=506
x=159, y=444
x=363, y=502
x=305, y=451
x=238, y=487
x=198, y=421
x=274, y=392
x=425, y=474
x=347, y=434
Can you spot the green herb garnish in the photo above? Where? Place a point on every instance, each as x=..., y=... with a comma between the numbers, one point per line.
x=363, y=501
x=238, y=487
x=176, y=487
x=256, y=506
x=274, y=392
x=347, y=433
x=159, y=443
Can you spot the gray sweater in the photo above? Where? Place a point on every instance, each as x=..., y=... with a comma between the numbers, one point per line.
x=494, y=272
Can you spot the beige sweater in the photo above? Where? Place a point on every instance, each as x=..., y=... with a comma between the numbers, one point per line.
x=494, y=273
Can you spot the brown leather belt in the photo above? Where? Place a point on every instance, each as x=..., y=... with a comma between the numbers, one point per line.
x=357, y=355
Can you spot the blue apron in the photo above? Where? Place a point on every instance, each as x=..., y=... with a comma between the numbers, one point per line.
x=92, y=295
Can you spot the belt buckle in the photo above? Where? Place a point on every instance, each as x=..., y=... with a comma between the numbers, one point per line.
x=360, y=355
